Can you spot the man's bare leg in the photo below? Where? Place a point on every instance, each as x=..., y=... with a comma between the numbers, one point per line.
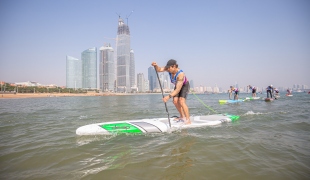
x=182, y=102
x=179, y=107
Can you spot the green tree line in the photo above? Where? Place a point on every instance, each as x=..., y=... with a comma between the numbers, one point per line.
x=38, y=89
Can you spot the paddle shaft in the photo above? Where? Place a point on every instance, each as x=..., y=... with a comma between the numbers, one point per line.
x=162, y=92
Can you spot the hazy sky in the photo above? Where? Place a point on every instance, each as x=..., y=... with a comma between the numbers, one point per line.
x=257, y=42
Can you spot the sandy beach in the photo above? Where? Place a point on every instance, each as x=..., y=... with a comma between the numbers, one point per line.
x=40, y=95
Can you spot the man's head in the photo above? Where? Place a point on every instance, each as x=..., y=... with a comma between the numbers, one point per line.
x=171, y=63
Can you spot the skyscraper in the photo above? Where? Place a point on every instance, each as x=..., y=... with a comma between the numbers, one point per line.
x=191, y=82
x=123, y=83
x=106, y=69
x=73, y=72
x=140, y=82
x=132, y=69
x=89, y=68
x=152, y=77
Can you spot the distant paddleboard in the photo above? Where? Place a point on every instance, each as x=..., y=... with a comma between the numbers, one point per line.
x=269, y=99
x=252, y=98
x=289, y=94
x=230, y=101
x=156, y=125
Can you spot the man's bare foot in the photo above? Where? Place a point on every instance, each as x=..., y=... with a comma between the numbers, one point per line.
x=188, y=122
x=178, y=118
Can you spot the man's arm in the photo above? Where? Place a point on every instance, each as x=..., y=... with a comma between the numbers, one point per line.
x=157, y=68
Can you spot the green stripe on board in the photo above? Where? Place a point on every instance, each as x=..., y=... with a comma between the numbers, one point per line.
x=121, y=128
x=233, y=117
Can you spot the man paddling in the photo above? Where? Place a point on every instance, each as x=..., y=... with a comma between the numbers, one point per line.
x=253, y=89
x=236, y=90
x=270, y=90
x=181, y=89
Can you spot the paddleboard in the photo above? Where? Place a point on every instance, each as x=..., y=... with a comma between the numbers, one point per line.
x=289, y=94
x=269, y=99
x=252, y=98
x=230, y=101
x=156, y=125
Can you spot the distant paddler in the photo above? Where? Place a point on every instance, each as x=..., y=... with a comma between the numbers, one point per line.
x=276, y=91
x=289, y=92
x=270, y=90
x=253, y=89
x=236, y=90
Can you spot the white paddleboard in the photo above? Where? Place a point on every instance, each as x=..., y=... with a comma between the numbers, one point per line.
x=156, y=125
x=252, y=98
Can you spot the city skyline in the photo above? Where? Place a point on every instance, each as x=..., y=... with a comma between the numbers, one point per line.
x=214, y=42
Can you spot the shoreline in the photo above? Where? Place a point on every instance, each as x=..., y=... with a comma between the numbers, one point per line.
x=41, y=95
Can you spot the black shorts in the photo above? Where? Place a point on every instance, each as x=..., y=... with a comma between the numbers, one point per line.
x=184, y=90
x=236, y=92
x=253, y=90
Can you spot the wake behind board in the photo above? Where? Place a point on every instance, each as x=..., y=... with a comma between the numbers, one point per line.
x=156, y=125
x=230, y=101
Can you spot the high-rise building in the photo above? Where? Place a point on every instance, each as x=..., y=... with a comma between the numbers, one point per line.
x=140, y=82
x=132, y=70
x=191, y=83
x=123, y=57
x=73, y=72
x=216, y=89
x=236, y=86
x=107, y=69
x=152, y=77
x=168, y=85
x=89, y=68
x=147, y=85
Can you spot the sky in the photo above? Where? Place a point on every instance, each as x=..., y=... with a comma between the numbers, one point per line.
x=215, y=42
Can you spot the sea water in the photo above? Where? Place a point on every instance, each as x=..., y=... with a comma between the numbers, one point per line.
x=271, y=140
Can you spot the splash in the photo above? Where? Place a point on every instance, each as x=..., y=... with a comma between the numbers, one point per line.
x=253, y=113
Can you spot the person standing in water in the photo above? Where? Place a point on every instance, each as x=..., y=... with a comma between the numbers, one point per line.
x=181, y=89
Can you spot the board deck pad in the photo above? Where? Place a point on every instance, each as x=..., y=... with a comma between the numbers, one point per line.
x=121, y=127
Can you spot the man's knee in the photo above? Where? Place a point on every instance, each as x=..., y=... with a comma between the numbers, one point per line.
x=182, y=101
x=175, y=101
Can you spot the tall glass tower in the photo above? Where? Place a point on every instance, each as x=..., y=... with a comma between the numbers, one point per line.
x=89, y=68
x=73, y=72
x=152, y=77
x=106, y=69
x=123, y=57
x=132, y=69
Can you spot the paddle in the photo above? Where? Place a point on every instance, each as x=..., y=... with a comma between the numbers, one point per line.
x=229, y=92
x=162, y=92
